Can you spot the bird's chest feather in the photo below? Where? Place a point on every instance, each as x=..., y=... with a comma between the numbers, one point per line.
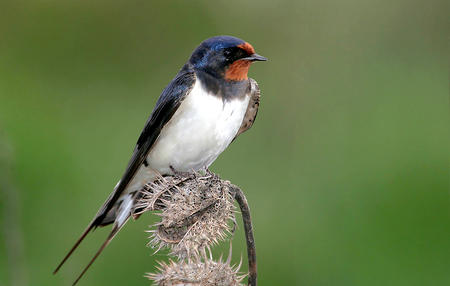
x=202, y=127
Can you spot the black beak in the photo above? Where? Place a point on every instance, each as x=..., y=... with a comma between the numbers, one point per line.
x=255, y=57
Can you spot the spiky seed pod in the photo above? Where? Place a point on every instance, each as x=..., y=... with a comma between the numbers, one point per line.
x=198, y=273
x=197, y=212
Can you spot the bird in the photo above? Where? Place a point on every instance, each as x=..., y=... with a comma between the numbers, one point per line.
x=200, y=112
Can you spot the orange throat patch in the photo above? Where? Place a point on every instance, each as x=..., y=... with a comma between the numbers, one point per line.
x=238, y=70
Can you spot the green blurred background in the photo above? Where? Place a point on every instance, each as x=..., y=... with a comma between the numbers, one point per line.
x=346, y=169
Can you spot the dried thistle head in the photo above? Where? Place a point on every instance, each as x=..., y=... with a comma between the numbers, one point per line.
x=196, y=212
x=196, y=274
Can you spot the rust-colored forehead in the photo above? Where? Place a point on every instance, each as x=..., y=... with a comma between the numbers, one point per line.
x=247, y=47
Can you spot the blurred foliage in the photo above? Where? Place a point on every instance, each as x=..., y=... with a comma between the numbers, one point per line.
x=346, y=168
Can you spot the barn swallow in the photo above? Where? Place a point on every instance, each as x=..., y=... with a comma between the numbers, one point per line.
x=202, y=110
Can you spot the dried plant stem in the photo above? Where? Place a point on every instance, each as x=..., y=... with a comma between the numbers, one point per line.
x=196, y=212
x=251, y=251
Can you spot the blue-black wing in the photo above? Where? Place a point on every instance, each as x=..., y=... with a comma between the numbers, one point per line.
x=167, y=104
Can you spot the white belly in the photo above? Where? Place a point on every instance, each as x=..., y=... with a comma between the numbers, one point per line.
x=202, y=127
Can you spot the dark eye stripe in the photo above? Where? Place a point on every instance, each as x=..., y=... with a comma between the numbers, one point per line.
x=234, y=54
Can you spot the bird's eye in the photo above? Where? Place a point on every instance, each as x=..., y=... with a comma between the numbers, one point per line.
x=227, y=53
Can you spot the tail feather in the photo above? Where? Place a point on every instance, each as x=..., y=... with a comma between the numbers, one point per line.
x=92, y=225
x=118, y=215
x=112, y=234
x=86, y=231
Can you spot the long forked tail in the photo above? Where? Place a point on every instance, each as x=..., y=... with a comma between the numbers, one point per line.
x=121, y=216
x=112, y=234
x=75, y=246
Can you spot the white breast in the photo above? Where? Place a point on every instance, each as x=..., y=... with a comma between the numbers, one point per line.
x=202, y=127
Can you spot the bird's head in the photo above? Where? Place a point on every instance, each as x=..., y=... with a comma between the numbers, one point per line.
x=225, y=57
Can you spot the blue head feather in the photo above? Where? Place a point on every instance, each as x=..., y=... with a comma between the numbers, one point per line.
x=201, y=54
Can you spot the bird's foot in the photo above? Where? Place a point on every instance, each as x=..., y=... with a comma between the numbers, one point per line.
x=202, y=173
x=180, y=174
x=205, y=173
